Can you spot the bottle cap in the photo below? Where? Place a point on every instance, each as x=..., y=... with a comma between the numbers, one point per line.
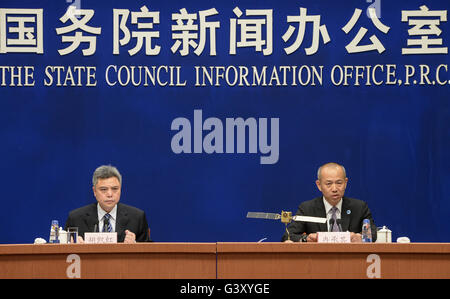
x=366, y=221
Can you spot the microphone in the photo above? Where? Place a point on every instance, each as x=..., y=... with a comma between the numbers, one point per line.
x=331, y=224
x=339, y=221
x=96, y=226
x=105, y=224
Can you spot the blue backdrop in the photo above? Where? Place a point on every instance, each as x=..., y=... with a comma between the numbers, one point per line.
x=393, y=139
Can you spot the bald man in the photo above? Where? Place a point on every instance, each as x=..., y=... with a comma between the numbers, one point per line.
x=349, y=212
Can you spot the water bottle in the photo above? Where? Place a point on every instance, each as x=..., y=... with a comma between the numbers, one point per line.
x=366, y=231
x=54, y=232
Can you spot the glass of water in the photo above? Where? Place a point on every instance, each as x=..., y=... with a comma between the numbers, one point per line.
x=72, y=234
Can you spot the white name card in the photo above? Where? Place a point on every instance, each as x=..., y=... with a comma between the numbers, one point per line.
x=100, y=238
x=333, y=237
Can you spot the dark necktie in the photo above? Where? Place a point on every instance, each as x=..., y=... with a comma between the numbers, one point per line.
x=107, y=227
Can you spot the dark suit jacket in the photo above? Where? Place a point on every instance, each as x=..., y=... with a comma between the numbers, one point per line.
x=128, y=217
x=354, y=211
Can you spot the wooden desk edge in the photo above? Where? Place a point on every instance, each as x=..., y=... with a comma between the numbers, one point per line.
x=224, y=247
x=229, y=247
x=18, y=249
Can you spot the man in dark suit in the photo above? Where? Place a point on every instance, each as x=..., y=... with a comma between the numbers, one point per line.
x=347, y=213
x=108, y=215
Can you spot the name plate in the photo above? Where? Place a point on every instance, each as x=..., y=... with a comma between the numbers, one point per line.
x=333, y=237
x=100, y=238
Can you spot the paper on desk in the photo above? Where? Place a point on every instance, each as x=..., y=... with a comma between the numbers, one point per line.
x=309, y=219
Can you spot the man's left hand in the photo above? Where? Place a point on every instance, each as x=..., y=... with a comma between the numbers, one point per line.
x=130, y=237
x=355, y=238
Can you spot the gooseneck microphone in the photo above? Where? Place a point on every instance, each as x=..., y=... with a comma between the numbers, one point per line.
x=105, y=224
x=339, y=221
x=96, y=227
x=331, y=222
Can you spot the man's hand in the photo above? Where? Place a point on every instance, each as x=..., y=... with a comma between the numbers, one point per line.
x=355, y=238
x=130, y=237
x=312, y=238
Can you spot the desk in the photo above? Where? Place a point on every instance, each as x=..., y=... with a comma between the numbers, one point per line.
x=226, y=260
x=313, y=260
x=140, y=260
